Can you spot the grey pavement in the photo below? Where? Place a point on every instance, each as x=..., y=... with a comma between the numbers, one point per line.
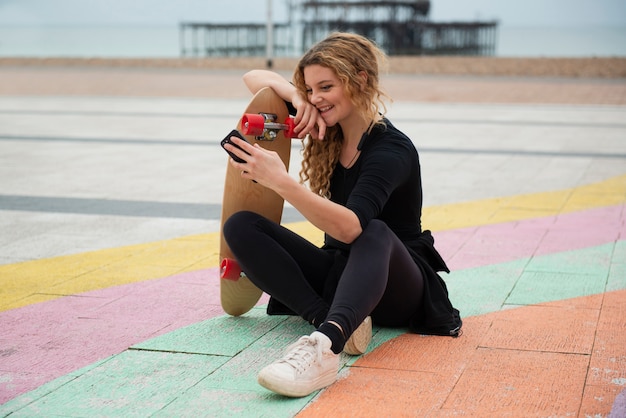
x=86, y=173
x=81, y=171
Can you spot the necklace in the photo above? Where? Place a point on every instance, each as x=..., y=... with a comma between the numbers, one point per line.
x=349, y=165
x=358, y=149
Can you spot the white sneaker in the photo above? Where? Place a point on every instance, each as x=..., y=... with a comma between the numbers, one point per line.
x=308, y=365
x=360, y=339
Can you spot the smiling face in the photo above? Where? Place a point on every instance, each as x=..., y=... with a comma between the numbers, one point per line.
x=326, y=92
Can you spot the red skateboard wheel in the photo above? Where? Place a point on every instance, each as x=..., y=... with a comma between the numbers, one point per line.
x=252, y=124
x=291, y=126
x=230, y=270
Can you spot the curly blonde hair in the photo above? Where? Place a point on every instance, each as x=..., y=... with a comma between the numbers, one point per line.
x=347, y=55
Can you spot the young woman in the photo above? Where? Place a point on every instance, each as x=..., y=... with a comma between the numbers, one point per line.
x=365, y=193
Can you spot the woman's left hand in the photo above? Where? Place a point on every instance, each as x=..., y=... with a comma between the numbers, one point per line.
x=308, y=119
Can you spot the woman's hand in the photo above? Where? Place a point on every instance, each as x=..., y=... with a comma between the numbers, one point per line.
x=308, y=119
x=263, y=166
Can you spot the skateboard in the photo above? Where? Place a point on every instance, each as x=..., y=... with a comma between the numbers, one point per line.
x=266, y=122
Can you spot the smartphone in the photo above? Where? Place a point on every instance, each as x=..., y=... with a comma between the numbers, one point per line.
x=227, y=140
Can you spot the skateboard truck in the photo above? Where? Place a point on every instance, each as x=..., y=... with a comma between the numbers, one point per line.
x=265, y=127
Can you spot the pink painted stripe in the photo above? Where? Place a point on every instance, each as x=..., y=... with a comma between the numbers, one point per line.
x=57, y=337
x=44, y=341
x=492, y=244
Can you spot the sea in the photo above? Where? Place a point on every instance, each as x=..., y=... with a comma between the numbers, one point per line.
x=141, y=41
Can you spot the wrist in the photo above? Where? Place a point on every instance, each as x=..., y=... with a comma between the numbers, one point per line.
x=285, y=186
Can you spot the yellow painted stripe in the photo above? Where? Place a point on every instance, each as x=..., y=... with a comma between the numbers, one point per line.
x=41, y=280
x=516, y=208
x=35, y=281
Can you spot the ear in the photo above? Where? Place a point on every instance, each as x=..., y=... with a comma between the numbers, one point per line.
x=363, y=79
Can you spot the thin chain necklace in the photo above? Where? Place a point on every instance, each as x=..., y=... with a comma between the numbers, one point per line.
x=349, y=165
x=358, y=148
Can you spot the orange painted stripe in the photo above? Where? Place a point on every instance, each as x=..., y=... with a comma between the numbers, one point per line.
x=529, y=361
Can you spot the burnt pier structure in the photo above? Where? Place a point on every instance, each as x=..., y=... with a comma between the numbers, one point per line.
x=398, y=27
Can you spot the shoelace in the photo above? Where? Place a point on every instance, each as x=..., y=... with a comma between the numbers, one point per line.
x=301, y=354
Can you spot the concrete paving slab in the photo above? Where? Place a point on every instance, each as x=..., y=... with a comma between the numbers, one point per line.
x=109, y=273
x=132, y=378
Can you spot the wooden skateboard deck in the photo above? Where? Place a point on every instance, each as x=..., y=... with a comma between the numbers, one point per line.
x=237, y=294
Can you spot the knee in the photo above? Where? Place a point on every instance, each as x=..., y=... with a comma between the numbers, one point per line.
x=238, y=224
x=375, y=233
x=376, y=228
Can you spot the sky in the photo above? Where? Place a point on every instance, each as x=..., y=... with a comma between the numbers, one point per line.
x=526, y=13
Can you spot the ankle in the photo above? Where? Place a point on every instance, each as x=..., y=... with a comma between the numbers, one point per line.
x=334, y=333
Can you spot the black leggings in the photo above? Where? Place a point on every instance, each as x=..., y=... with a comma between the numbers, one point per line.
x=380, y=278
